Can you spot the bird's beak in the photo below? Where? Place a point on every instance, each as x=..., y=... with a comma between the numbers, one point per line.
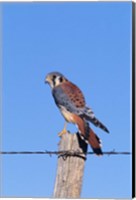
x=46, y=80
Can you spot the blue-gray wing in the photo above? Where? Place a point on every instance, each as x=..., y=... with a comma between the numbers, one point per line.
x=63, y=100
x=68, y=98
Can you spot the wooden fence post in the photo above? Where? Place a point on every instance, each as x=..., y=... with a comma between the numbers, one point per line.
x=70, y=167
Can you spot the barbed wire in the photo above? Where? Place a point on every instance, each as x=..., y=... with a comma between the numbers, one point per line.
x=67, y=153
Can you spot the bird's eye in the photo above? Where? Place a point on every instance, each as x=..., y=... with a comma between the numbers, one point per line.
x=60, y=79
x=54, y=77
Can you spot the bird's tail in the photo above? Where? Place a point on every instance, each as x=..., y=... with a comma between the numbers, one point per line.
x=88, y=135
x=95, y=143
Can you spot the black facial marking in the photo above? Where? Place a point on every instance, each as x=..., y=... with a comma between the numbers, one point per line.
x=53, y=79
x=60, y=79
x=54, y=76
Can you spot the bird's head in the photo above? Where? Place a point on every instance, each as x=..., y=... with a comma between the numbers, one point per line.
x=54, y=79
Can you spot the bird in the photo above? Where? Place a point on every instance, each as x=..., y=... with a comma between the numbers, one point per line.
x=72, y=105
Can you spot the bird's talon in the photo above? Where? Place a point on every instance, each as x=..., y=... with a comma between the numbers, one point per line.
x=62, y=132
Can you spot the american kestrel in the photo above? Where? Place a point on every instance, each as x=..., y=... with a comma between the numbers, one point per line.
x=71, y=102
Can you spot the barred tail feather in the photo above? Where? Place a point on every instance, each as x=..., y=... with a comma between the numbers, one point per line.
x=87, y=134
x=90, y=137
x=95, y=143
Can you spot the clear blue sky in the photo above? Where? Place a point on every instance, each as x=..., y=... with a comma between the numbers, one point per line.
x=90, y=43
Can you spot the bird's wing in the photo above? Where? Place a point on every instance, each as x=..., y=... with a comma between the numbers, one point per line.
x=69, y=96
x=89, y=115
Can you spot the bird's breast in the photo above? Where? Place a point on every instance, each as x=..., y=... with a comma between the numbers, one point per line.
x=67, y=115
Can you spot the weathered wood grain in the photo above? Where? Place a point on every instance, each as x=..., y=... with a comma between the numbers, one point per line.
x=70, y=169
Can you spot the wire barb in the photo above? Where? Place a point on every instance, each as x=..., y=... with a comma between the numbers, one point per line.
x=66, y=153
